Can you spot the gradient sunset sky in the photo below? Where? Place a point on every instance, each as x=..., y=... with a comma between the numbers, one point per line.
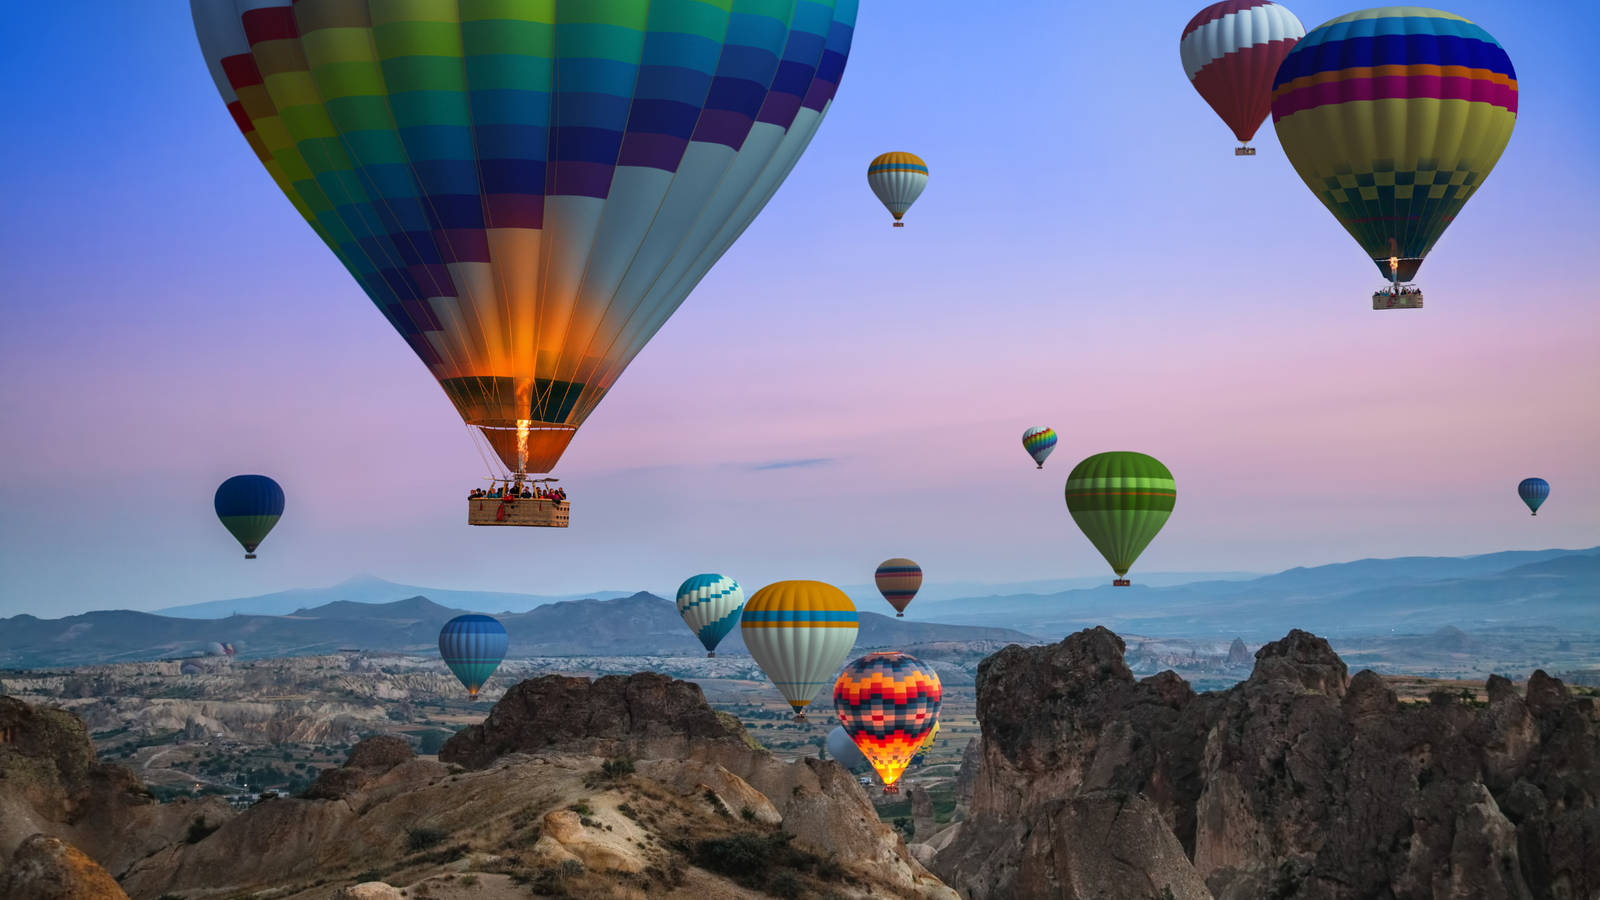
x=1089, y=255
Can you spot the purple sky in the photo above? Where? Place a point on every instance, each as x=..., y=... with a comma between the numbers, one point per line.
x=1089, y=255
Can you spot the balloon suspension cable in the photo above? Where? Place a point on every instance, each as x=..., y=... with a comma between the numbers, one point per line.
x=478, y=443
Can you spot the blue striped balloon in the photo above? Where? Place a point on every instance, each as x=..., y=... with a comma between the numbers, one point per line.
x=710, y=605
x=473, y=646
x=1533, y=491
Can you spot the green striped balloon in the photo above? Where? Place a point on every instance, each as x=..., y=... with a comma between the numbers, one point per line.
x=1120, y=500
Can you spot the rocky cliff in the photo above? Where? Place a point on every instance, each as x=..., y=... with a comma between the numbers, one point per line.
x=50, y=783
x=622, y=787
x=1297, y=783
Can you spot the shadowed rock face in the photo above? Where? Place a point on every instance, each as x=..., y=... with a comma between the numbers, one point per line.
x=50, y=783
x=610, y=715
x=1297, y=783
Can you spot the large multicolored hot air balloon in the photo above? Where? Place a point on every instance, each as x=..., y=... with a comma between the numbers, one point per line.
x=844, y=750
x=249, y=505
x=526, y=190
x=799, y=632
x=473, y=646
x=710, y=606
x=898, y=580
x=1230, y=52
x=897, y=179
x=1039, y=442
x=1120, y=500
x=888, y=702
x=1394, y=117
x=1533, y=491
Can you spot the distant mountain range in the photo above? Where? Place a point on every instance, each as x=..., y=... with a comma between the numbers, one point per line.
x=369, y=589
x=639, y=625
x=1555, y=588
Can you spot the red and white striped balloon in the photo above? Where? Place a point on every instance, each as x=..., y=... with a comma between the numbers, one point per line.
x=1231, y=51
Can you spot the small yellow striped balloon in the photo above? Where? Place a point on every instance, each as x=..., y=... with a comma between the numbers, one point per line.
x=898, y=179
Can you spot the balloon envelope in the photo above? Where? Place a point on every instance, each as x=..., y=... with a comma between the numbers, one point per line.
x=526, y=191
x=1230, y=52
x=710, y=605
x=1533, y=491
x=898, y=580
x=473, y=646
x=897, y=179
x=843, y=749
x=1039, y=442
x=1120, y=500
x=249, y=505
x=799, y=632
x=1393, y=117
x=888, y=703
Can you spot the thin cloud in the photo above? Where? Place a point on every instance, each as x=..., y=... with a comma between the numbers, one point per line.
x=791, y=463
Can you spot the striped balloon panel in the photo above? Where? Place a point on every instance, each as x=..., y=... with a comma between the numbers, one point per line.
x=888, y=703
x=1533, y=491
x=1231, y=51
x=898, y=580
x=1394, y=117
x=527, y=190
x=249, y=506
x=1120, y=500
x=473, y=647
x=710, y=605
x=800, y=633
x=897, y=179
x=1039, y=442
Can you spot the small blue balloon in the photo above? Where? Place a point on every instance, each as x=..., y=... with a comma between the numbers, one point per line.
x=473, y=646
x=1533, y=492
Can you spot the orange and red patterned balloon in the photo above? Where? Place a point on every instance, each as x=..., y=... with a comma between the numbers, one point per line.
x=888, y=702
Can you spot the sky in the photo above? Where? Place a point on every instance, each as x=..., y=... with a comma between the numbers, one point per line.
x=1088, y=255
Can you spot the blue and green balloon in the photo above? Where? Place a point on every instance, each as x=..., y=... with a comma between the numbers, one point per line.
x=473, y=646
x=1534, y=491
x=249, y=505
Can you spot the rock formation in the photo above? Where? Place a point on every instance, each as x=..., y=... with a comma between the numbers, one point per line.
x=576, y=787
x=1297, y=783
x=50, y=783
x=47, y=868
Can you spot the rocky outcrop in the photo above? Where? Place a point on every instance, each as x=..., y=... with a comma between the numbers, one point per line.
x=47, y=868
x=51, y=783
x=618, y=780
x=367, y=761
x=1298, y=783
x=1238, y=654
x=646, y=714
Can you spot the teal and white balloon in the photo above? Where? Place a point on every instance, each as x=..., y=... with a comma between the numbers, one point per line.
x=710, y=606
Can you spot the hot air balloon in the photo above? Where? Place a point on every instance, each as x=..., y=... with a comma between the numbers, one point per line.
x=249, y=505
x=888, y=702
x=844, y=750
x=1533, y=492
x=1230, y=51
x=526, y=190
x=473, y=646
x=1120, y=500
x=1039, y=442
x=898, y=580
x=1394, y=117
x=799, y=632
x=897, y=179
x=710, y=605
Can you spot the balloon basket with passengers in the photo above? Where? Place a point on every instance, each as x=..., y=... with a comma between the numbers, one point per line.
x=514, y=496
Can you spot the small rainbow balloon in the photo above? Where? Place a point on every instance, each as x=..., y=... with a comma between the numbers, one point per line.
x=888, y=702
x=1039, y=442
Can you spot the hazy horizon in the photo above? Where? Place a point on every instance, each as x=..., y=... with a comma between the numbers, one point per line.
x=1088, y=255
